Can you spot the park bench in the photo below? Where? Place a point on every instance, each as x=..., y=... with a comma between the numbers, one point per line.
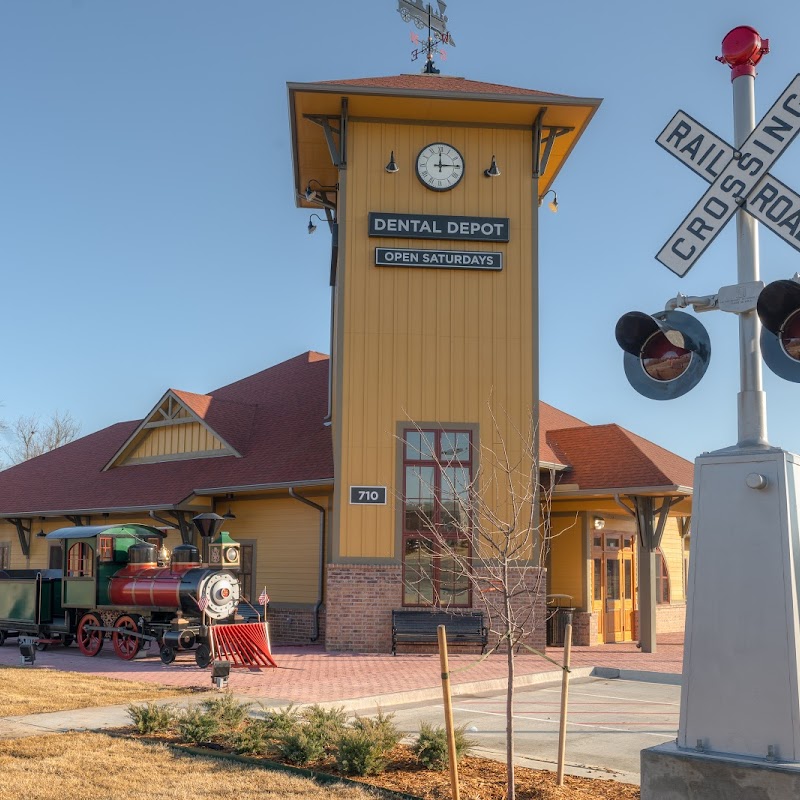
x=421, y=627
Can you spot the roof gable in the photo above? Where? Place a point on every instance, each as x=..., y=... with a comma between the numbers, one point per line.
x=177, y=428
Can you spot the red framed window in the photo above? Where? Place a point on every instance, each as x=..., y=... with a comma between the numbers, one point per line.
x=105, y=548
x=80, y=561
x=437, y=542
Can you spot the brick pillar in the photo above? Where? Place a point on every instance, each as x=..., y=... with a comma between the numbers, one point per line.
x=359, y=603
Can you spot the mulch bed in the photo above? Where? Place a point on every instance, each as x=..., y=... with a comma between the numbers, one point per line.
x=479, y=778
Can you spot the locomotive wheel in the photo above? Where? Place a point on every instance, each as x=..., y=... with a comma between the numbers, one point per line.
x=40, y=646
x=167, y=654
x=202, y=656
x=126, y=647
x=67, y=639
x=90, y=643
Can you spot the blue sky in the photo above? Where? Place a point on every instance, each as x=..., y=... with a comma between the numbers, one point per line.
x=149, y=236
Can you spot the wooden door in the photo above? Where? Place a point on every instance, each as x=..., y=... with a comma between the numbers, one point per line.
x=613, y=587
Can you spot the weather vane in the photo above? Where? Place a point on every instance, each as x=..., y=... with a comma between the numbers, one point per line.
x=423, y=16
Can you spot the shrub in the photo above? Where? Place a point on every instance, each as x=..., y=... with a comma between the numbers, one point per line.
x=151, y=717
x=431, y=745
x=228, y=711
x=325, y=725
x=195, y=725
x=380, y=728
x=283, y=720
x=298, y=747
x=359, y=753
x=252, y=739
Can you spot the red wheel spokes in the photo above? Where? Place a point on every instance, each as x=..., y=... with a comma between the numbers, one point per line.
x=126, y=646
x=90, y=642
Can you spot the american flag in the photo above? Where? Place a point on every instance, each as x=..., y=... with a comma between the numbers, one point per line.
x=263, y=598
x=202, y=603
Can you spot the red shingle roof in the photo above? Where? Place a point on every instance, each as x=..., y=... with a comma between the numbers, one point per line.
x=274, y=419
x=604, y=457
x=439, y=83
x=281, y=437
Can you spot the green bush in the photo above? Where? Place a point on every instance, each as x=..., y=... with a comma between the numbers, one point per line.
x=299, y=747
x=380, y=728
x=325, y=725
x=253, y=738
x=228, y=711
x=151, y=717
x=431, y=749
x=196, y=725
x=283, y=720
x=359, y=753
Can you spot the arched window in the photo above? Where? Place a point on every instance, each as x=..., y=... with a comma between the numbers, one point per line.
x=80, y=561
x=662, y=579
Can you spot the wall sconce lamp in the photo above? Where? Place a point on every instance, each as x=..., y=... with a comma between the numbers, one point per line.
x=392, y=167
x=316, y=194
x=493, y=171
x=553, y=204
x=311, y=226
x=229, y=514
x=599, y=523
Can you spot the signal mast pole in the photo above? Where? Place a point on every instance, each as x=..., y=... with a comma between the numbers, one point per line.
x=742, y=49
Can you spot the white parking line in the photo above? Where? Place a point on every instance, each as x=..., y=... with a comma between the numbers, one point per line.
x=555, y=721
x=573, y=692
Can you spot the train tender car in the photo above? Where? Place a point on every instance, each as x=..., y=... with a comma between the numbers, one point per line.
x=30, y=605
x=113, y=586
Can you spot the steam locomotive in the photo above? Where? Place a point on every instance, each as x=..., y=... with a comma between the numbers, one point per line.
x=116, y=583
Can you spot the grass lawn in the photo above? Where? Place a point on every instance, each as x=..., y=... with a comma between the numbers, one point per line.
x=83, y=765
x=37, y=691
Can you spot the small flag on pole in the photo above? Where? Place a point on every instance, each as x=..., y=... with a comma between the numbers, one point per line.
x=202, y=603
x=263, y=598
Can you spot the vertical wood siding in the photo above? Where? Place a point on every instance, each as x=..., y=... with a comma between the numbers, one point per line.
x=430, y=345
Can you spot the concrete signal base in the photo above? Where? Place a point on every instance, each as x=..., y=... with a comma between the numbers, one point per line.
x=672, y=774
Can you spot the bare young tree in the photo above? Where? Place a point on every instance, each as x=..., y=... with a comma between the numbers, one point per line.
x=30, y=436
x=487, y=534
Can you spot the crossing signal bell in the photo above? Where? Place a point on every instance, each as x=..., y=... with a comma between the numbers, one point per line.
x=666, y=353
x=779, y=310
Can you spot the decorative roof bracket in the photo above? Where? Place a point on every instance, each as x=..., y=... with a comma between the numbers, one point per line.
x=24, y=534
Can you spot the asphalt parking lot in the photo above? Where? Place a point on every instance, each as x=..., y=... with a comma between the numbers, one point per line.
x=609, y=722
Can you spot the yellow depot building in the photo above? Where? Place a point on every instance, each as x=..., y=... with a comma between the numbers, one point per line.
x=385, y=477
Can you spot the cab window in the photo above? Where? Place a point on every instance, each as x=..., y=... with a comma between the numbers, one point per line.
x=80, y=561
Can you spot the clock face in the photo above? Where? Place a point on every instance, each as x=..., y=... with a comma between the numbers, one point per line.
x=440, y=166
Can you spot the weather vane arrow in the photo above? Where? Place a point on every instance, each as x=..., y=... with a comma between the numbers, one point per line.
x=423, y=16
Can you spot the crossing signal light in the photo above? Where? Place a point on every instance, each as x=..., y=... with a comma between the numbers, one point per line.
x=666, y=353
x=779, y=310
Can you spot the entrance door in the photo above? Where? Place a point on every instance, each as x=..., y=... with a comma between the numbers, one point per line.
x=613, y=589
x=246, y=551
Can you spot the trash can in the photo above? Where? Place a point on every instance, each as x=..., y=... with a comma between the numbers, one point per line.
x=559, y=613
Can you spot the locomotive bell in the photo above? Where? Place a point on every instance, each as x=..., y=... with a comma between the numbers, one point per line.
x=224, y=551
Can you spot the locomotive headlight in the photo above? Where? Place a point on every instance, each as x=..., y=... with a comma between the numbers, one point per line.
x=222, y=591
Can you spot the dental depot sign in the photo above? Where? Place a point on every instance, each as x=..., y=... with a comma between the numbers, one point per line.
x=438, y=227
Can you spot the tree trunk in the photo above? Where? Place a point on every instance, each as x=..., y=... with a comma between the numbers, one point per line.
x=510, y=722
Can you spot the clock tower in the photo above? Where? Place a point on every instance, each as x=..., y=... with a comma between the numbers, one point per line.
x=431, y=188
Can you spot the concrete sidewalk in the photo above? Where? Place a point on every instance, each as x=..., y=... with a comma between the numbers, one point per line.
x=359, y=682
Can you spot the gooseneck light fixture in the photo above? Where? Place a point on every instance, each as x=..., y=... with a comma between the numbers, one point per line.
x=599, y=523
x=493, y=171
x=311, y=226
x=392, y=167
x=553, y=204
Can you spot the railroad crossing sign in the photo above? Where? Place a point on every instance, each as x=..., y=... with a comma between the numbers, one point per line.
x=739, y=179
